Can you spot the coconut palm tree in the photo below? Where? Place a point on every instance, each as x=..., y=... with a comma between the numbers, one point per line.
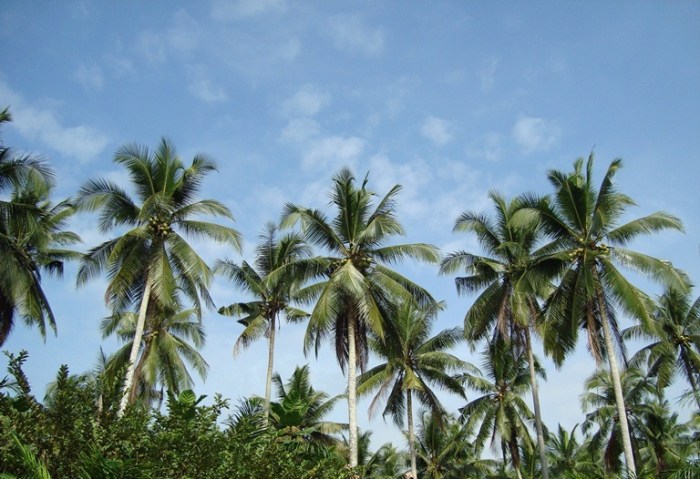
x=588, y=240
x=664, y=446
x=33, y=240
x=416, y=364
x=151, y=260
x=164, y=352
x=300, y=409
x=510, y=280
x=599, y=402
x=357, y=285
x=567, y=455
x=273, y=292
x=445, y=450
x=387, y=462
x=500, y=414
x=675, y=332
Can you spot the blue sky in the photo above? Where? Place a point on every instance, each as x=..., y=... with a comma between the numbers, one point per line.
x=448, y=99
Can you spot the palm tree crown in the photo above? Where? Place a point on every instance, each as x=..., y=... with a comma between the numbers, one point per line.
x=151, y=260
x=272, y=285
x=583, y=224
x=675, y=336
x=415, y=364
x=511, y=280
x=356, y=285
x=33, y=239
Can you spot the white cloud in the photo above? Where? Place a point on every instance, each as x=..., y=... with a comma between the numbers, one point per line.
x=202, y=87
x=352, y=35
x=300, y=130
x=223, y=10
x=437, y=130
x=182, y=37
x=82, y=142
x=487, y=73
x=535, y=134
x=90, y=77
x=333, y=151
x=306, y=102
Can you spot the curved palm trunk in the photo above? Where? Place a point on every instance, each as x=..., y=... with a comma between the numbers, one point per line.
x=352, y=393
x=617, y=385
x=536, y=403
x=138, y=335
x=270, y=367
x=411, y=434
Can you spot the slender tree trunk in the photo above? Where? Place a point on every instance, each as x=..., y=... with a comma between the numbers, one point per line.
x=411, y=434
x=515, y=458
x=352, y=393
x=691, y=379
x=619, y=397
x=536, y=403
x=138, y=335
x=270, y=366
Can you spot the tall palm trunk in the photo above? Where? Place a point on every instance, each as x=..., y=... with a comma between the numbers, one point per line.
x=138, y=371
x=352, y=392
x=617, y=385
x=536, y=404
x=270, y=366
x=691, y=378
x=515, y=458
x=138, y=336
x=411, y=434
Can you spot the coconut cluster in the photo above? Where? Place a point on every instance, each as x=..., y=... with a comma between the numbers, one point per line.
x=159, y=226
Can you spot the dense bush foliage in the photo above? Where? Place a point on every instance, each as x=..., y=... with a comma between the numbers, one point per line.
x=73, y=434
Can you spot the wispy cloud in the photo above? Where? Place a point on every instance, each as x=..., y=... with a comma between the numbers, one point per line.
x=306, y=102
x=437, y=130
x=333, y=151
x=488, y=147
x=203, y=88
x=89, y=76
x=81, y=142
x=535, y=134
x=350, y=34
x=182, y=37
x=299, y=130
x=223, y=10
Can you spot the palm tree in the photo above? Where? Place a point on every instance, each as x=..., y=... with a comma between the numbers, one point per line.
x=583, y=224
x=445, y=451
x=33, y=239
x=415, y=364
x=387, y=462
x=300, y=409
x=567, y=455
x=500, y=412
x=164, y=346
x=664, y=447
x=510, y=279
x=357, y=286
x=599, y=398
x=273, y=292
x=675, y=332
x=152, y=260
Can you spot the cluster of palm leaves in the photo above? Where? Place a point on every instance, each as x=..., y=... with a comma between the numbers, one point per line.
x=549, y=269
